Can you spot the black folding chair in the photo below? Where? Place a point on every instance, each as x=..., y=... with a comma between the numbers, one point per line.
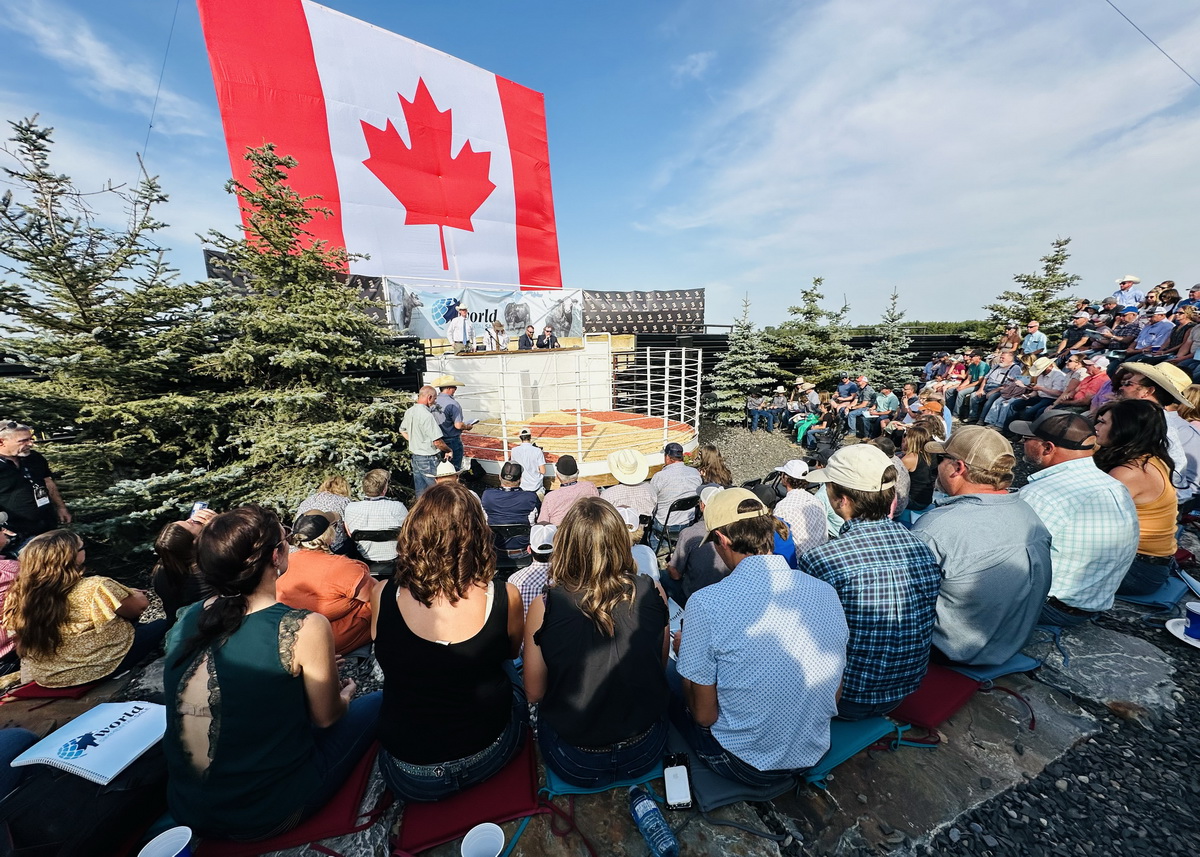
x=683, y=504
x=510, y=560
x=379, y=568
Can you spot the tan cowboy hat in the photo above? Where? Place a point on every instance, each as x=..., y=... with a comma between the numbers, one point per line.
x=1039, y=366
x=1170, y=378
x=629, y=466
x=446, y=381
x=805, y=387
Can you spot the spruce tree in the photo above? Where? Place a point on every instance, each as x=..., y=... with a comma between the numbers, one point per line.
x=888, y=360
x=1040, y=296
x=299, y=349
x=814, y=337
x=744, y=369
x=101, y=323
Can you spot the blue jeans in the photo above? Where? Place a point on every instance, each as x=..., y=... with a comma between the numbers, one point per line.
x=1144, y=577
x=980, y=405
x=424, y=468
x=1028, y=409
x=430, y=783
x=591, y=769
x=13, y=742
x=146, y=637
x=1052, y=615
x=848, y=710
x=456, y=449
x=341, y=746
x=853, y=418
x=709, y=749
x=766, y=416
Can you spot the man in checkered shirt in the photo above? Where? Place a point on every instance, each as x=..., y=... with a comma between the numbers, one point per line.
x=1091, y=517
x=886, y=578
x=800, y=510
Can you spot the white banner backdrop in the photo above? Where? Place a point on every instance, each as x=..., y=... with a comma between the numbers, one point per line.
x=423, y=311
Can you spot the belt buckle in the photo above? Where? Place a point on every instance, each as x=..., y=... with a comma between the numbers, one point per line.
x=439, y=771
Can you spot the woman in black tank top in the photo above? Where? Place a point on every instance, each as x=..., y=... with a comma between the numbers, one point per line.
x=445, y=636
x=595, y=652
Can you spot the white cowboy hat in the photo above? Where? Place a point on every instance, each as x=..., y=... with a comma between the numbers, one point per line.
x=1129, y=278
x=629, y=466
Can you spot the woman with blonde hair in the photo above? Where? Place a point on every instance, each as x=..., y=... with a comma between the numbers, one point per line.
x=71, y=629
x=920, y=466
x=595, y=652
x=332, y=495
x=445, y=635
x=711, y=466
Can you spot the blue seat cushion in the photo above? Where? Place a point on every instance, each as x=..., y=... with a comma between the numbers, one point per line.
x=846, y=739
x=1018, y=663
x=1165, y=596
x=556, y=785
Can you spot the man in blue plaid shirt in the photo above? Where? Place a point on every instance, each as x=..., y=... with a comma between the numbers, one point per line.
x=887, y=581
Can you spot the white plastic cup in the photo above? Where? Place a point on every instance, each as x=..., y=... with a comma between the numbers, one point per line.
x=170, y=843
x=483, y=840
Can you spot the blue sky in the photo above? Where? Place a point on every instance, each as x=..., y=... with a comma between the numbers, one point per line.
x=935, y=148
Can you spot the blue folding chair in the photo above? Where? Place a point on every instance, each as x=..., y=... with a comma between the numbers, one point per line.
x=986, y=676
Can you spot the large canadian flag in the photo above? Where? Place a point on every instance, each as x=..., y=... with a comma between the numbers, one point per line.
x=436, y=168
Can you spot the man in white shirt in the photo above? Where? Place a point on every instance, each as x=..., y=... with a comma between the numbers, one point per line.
x=532, y=461
x=374, y=523
x=460, y=332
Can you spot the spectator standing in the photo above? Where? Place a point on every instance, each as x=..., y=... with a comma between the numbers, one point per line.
x=1132, y=438
x=993, y=550
x=450, y=416
x=460, y=331
x=630, y=468
x=532, y=461
x=596, y=644
x=9, y=662
x=673, y=482
x=1126, y=294
x=420, y=428
x=886, y=579
x=374, y=522
x=1090, y=516
x=28, y=492
x=799, y=509
x=494, y=337
x=571, y=488
x=1034, y=343
x=760, y=656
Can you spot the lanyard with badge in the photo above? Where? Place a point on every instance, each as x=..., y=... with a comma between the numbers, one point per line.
x=40, y=496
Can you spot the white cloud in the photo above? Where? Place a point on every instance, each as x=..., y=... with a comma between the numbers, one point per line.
x=939, y=148
x=692, y=68
x=101, y=69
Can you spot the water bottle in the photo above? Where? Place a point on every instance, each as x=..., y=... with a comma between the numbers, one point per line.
x=651, y=824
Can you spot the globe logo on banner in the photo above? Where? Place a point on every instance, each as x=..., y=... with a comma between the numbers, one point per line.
x=444, y=308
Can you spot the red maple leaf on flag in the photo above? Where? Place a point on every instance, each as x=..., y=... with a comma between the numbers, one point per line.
x=433, y=186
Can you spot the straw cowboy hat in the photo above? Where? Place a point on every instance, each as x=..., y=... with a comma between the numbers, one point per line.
x=1169, y=378
x=1129, y=278
x=629, y=466
x=1039, y=366
x=446, y=381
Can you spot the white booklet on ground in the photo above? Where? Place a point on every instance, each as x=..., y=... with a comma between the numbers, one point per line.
x=100, y=743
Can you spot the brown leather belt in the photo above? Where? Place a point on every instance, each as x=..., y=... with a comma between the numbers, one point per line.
x=1155, y=560
x=1067, y=608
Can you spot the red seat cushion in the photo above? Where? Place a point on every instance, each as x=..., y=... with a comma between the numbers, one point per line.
x=942, y=692
x=33, y=690
x=510, y=794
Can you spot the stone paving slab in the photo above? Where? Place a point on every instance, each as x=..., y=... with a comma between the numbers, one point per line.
x=884, y=798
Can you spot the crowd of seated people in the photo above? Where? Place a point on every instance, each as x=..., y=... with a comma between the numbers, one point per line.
x=826, y=598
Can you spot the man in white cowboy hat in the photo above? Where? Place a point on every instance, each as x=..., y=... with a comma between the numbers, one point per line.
x=1126, y=294
x=460, y=331
x=630, y=468
x=779, y=405
x=533, y=461
x=1164, y=383
x=450, y=416
x=886, y=579
x=1048, y=383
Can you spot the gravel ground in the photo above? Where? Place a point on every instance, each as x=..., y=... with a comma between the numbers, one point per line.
x=750, y=455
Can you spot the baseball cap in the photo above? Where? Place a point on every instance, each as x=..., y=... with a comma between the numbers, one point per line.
x=525, y=433
x=978, y=446
x=721, y=509
x=511, y=471
x=311, y=525
x=630, y=517
x=541, y=537
x=566, y=466
x=1097, y=360
x=860, y=467
x=796, y=468
x=1061, y=428
x=706, y=494
x=674, y=450
x=1126, y=309
x=1195, y=288
x=1082, y=314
